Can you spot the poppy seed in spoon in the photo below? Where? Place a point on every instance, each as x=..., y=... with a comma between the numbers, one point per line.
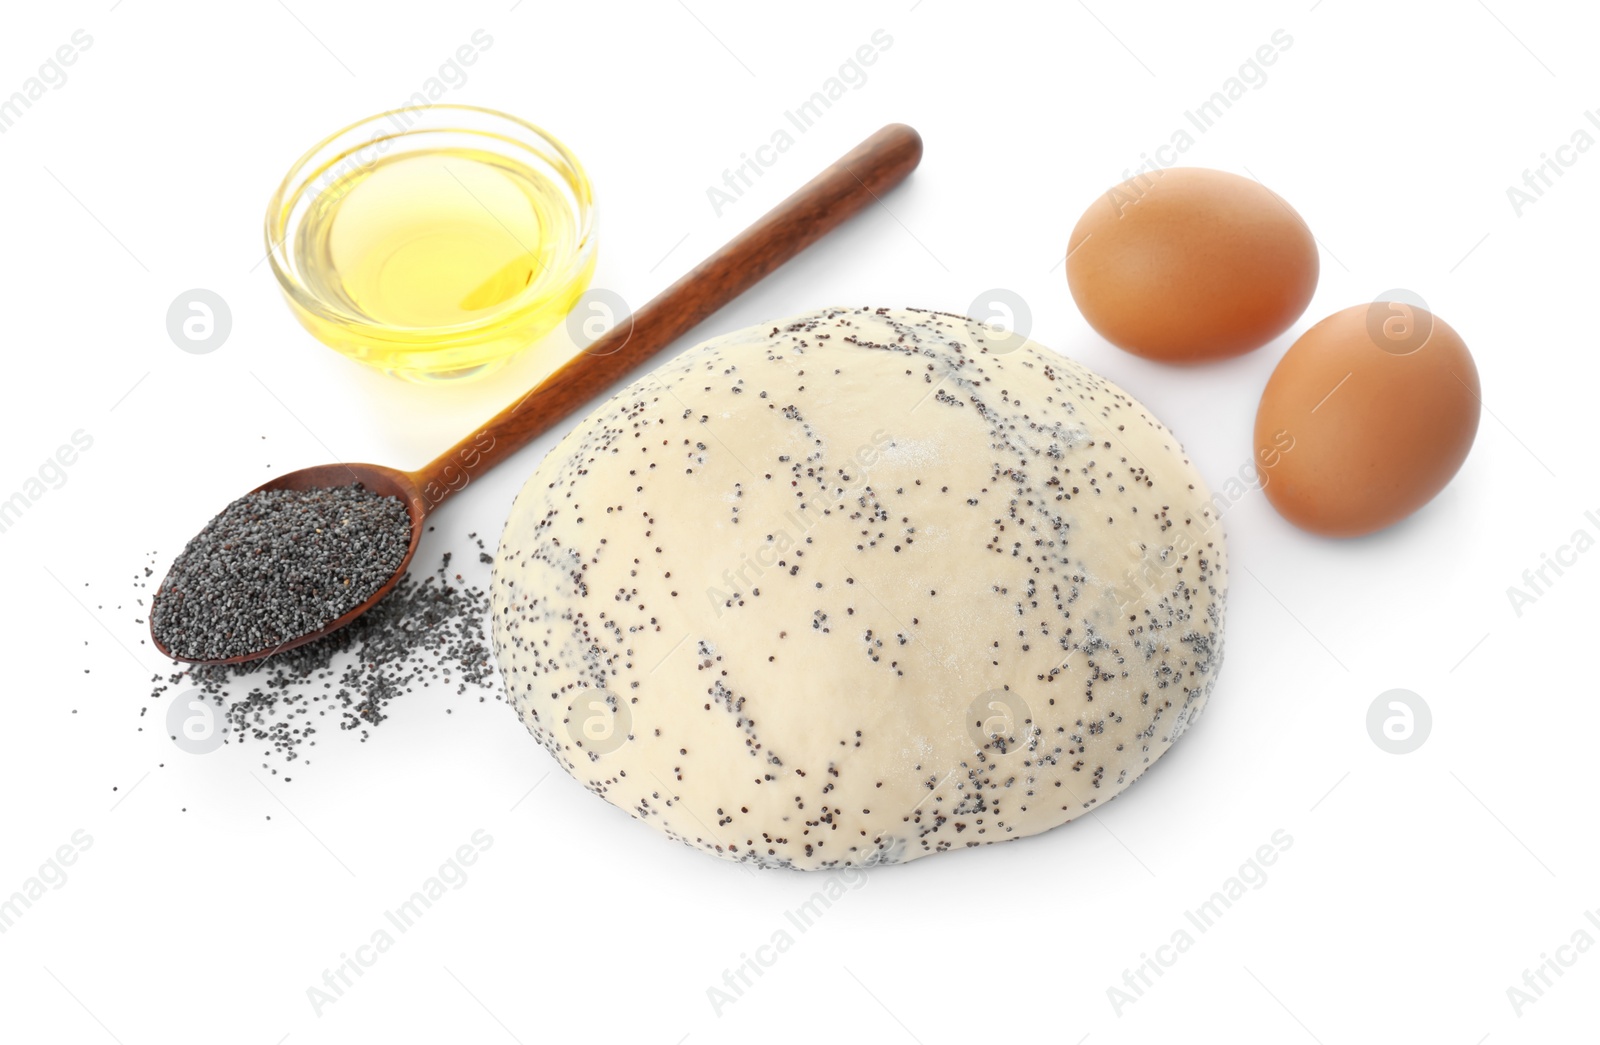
x=277, y=565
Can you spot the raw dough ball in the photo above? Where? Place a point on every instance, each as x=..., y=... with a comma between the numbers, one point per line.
x=861, y=586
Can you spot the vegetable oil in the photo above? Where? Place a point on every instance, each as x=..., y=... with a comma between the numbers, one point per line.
x=440, y=263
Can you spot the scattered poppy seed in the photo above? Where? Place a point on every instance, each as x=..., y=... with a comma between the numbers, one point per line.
x=430, y=629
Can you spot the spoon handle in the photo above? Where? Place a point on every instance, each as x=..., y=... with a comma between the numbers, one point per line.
x=853, y=181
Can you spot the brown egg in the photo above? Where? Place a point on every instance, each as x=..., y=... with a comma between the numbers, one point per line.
x=1188, y=264
x=1368, y=415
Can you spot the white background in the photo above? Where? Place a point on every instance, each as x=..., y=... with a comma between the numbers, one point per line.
x=1418, y=887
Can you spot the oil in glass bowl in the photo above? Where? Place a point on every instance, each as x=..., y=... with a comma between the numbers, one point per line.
x=434, y=244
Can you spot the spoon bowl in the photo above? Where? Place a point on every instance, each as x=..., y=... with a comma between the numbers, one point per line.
x=377, y=478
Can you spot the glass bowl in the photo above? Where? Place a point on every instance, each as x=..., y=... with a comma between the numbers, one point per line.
x=433, y=243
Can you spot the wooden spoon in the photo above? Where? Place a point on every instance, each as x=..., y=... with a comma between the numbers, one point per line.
x=856, y=179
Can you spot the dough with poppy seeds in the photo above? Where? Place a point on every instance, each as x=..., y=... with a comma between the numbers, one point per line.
x=860, y=586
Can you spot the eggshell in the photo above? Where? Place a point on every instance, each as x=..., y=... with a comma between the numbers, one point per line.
x=1366, y=418
x=1188, y=264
